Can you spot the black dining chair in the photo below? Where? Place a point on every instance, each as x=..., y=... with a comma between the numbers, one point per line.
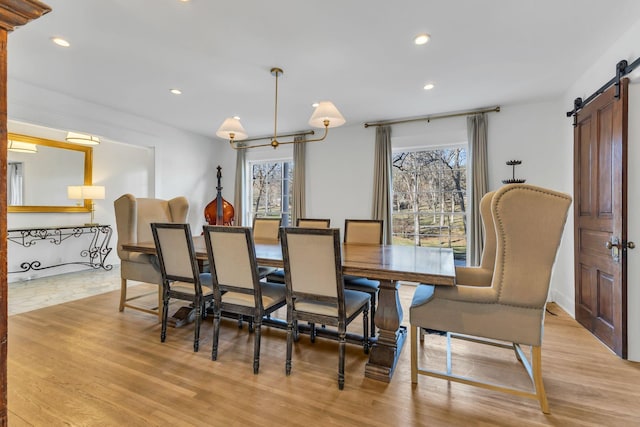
x=181, y=277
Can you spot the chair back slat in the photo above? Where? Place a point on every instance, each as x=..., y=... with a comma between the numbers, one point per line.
x=312, y=260
x=363, y=231
x=266, y=228
x=313, y=223
x=175, y=250
x=232, y=259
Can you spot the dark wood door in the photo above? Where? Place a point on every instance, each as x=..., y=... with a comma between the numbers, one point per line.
x=600, y=209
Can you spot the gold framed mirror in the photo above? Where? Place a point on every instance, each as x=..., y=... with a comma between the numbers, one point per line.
x=39, y=171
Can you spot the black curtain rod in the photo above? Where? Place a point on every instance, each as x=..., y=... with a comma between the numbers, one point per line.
x=433, y=117
x=622, y=69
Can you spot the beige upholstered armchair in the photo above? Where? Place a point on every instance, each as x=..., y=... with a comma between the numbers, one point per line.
x=133, y=222
x=482, y=275
x=529, y=223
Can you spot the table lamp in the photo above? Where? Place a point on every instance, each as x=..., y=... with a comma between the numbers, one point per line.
x=86, y=192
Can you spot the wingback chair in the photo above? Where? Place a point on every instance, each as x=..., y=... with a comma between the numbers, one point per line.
x=482, y=274
x=133, y=222
x=529, y=223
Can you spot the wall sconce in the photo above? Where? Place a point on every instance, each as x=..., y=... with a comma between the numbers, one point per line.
x=21, y=147
x=86, y=192
x=82, y=138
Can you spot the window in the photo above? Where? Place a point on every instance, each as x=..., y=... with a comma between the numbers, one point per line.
x=271, y=189
x=429, y=199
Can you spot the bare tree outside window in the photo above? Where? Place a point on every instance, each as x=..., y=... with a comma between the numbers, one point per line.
x=429, y=199
x=271, y=189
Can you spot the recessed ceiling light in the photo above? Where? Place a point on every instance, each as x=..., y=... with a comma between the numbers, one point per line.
x=422, y=39
x=60, y=41
x=236, y=117
x=176, y=91
x=428, y=86
x=315, y=105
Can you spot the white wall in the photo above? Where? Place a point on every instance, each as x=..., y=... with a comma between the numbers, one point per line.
x=534, y=133
x=179, y=163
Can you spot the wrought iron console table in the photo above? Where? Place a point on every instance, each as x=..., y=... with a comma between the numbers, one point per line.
x=94, y=256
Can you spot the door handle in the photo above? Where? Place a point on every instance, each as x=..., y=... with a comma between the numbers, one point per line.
x=616, y=244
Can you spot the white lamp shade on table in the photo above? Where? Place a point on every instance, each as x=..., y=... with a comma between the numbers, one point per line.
x=87, y=192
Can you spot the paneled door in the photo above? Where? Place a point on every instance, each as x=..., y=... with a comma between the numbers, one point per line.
x=600, y=213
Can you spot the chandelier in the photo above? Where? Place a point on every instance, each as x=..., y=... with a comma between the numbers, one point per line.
x=326, y=116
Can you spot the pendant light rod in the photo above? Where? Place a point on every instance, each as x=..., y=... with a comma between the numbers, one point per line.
x=275, y=71
x=284, y=135
x=325, y=115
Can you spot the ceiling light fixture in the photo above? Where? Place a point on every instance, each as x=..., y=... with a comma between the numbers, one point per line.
x=429, y=86
x=60, y=41
x=175, y=91
x=326, y=116
x=21, y=147
x=82, y=138
x=421, y=39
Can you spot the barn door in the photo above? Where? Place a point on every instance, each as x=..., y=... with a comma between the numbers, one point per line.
x=600, y=209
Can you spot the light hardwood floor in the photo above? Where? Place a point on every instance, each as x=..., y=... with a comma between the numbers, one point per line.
x=82, y=363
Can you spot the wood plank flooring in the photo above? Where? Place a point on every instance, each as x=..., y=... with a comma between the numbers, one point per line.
x=82, y=363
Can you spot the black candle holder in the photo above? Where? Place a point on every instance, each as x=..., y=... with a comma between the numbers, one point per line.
x=513, y=180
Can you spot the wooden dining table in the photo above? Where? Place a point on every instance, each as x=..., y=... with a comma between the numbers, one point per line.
x=388, y=264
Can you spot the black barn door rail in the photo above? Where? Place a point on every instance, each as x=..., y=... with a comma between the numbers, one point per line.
x=622, y=69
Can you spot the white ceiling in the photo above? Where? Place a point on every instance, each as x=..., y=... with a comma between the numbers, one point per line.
x=127, y=54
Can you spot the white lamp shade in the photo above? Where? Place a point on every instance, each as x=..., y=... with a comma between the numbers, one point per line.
x=326, y=111
x=231, y=126
x=82, y=138
x=22, y=147
x=93, y=192
x=74, y=192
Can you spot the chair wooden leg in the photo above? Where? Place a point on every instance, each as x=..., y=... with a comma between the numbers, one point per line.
x=256, y=346
x=196, y=333
x=341, y=351
x=123, y=294
x=296, y=335
x=312, y=332
x=216, y=333
x=365, y=330
x=287, y=367
x=160, y=302
x=239, y=321
x=536, y=362
x=165, y=313
x=414, y=354
x=374, y=301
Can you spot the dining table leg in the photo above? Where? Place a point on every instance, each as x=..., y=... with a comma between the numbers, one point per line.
x=386, y=349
